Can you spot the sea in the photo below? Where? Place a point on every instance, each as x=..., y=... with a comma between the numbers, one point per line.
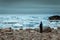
x=17, y=21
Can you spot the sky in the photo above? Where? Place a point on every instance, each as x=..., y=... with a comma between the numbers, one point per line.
x=29, y=7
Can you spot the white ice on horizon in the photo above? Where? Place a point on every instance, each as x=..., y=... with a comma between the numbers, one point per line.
x=26, y=20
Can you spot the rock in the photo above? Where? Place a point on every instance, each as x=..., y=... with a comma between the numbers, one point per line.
x=47, y=29
x=48, y=34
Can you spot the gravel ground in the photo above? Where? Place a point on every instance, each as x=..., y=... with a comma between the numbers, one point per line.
x=28, y=35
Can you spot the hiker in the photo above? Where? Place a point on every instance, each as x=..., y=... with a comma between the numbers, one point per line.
x=41, y=27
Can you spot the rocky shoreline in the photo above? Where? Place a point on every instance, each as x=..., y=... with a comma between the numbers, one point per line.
x=10, y=34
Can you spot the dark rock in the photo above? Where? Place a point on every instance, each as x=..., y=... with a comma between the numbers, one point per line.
x=47, y=29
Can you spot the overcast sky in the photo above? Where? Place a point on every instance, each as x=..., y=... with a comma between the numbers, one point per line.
x=29, y=6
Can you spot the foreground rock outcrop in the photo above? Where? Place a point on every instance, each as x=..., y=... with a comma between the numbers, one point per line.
x=9, y=34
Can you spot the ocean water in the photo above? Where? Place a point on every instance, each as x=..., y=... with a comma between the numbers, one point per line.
x=27, y=21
